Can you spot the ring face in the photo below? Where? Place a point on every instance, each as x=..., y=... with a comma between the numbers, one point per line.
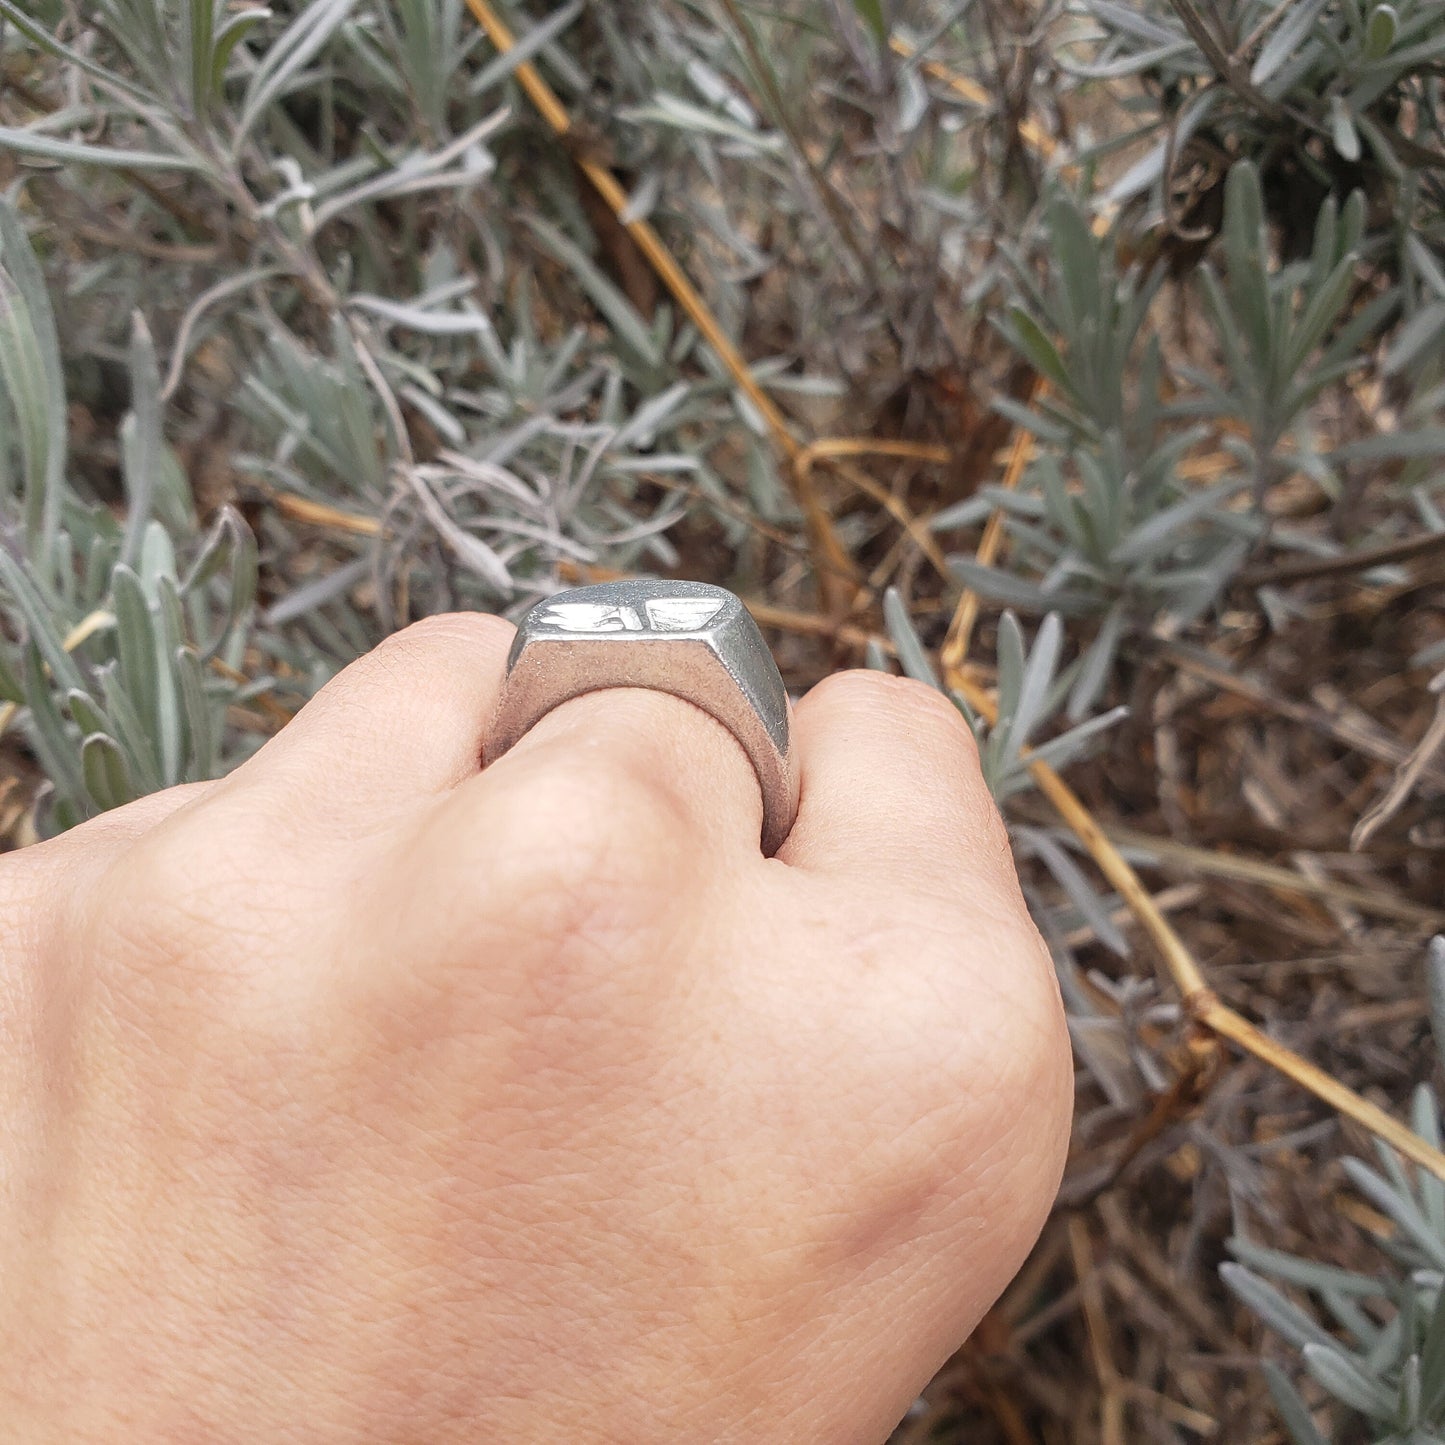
x=689, y=639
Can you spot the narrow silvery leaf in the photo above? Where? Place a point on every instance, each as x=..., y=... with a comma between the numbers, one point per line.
x=641, y=430
x=1424, y=260
x=672, y=110
x=141, y=438
x=1422, y=333
x=1245, y=248
x=1039, y=672
x=241, y=589
x=1342, y=129
x=1398, y=1206
x=1292, y=1409
x=198, y=38
x=103, y=766
x=618, y=310
x=977, y=508
x=311, y=595
x=871, y=12
x=1010, y=653
x=1425, y=1120
x=47, y=147
x=49, y=735
x=1287, y=37
x=912, y=655
x=1029, y=338
x=1408, y=1410
x=1059, y=752
x=1308, y=1273
x=1346, y=1381
x=1136, y=21
x=474, y=553
x=1062, y=510
x=137, y=656
x=1377, y=1347
x=1320, y=313
x=1160, y=531
x=1094, y=910
x=1097, y=664
x=419, y=171
x=288, y=53
x=1001, y=586
x=88, y=716
x=1386, y=446
x=135, y=737
x=18, y=258
x=1076, y=255
x=1282, y=1316
x=22, y=374
x=1146, y=172
x=157, y=558
x=40, y=620
x=10, y=686
x=170, y=639
x=200, y=726
x=1435, y=991
x=1432, y=1358
x=528, y=44
x=418, y=318
x=1380, y=32
x=230, y=34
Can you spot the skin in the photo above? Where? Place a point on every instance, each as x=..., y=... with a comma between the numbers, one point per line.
x=366, y=1095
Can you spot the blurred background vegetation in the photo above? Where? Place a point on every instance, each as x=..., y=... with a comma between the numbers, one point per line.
x=1085, y=359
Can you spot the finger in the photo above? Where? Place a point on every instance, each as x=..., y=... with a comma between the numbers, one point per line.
x=660, y=751
x=891, y=786
x=405, y=720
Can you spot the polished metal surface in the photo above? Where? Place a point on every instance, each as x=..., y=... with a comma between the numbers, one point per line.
x=689, y=639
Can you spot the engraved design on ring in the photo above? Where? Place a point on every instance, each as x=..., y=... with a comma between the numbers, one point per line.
x=689, y=639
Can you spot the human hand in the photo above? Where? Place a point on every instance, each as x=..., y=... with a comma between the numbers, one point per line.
x=365, y=1096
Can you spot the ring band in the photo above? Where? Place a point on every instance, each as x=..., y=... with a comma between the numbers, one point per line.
x=689, y=639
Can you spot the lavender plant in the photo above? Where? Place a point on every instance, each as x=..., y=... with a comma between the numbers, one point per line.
x=1374, y=1344
x=119, y=621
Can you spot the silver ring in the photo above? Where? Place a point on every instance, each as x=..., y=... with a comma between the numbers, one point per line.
x=689, y=639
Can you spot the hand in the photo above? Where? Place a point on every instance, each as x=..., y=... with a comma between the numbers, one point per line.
x=367, y=1096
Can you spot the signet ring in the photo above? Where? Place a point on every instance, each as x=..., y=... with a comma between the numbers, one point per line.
x=690, y=639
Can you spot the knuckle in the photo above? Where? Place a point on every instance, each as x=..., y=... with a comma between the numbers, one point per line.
x=983, y=1025
x=396, y=659
x=192, y=889
x=154, y=905
x=560, y=940
x=471, y=627
x=577, y=854
x=903, y=701
x=592, y=820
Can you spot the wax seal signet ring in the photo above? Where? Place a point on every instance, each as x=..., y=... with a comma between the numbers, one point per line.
x=689, y=639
